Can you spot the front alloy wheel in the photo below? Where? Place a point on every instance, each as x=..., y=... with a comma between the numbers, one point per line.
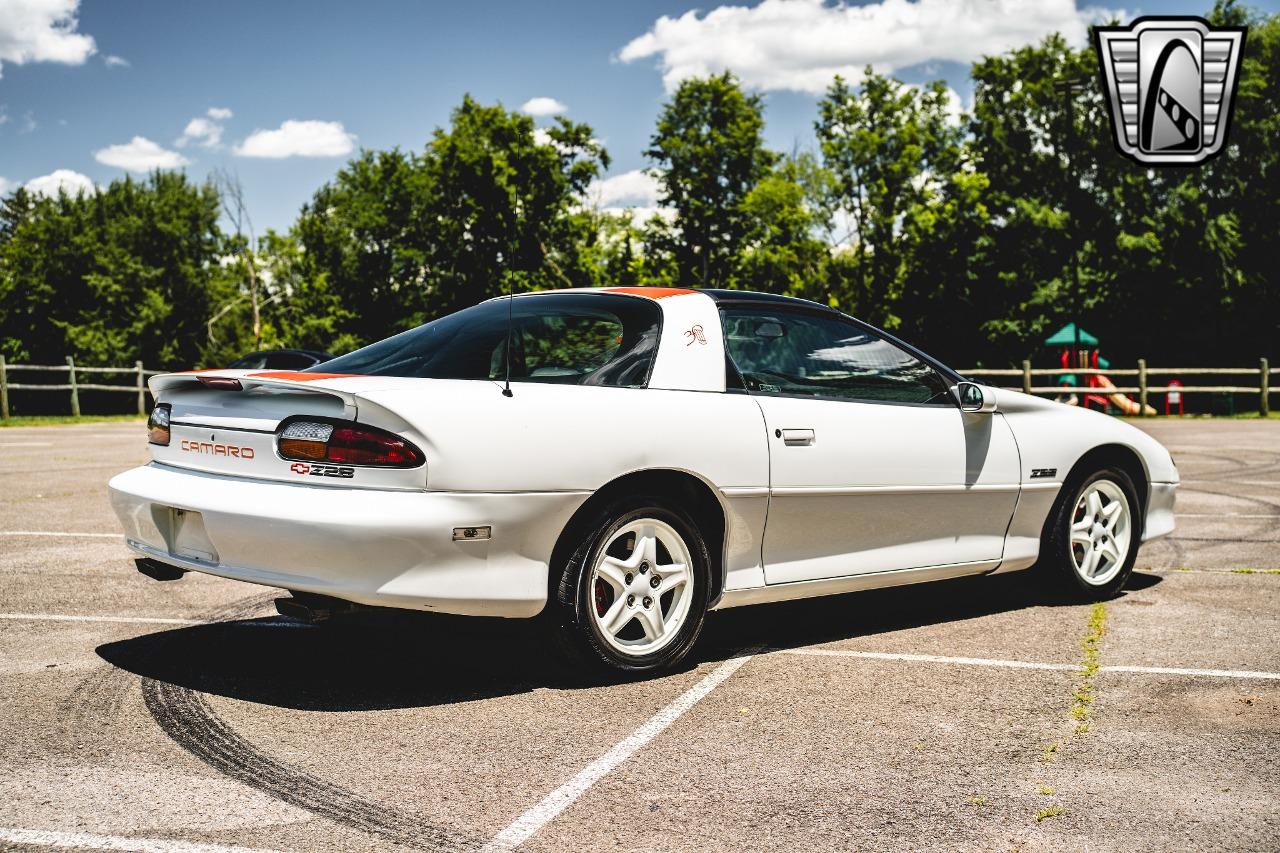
x=1101, y=528
x=1091, y=540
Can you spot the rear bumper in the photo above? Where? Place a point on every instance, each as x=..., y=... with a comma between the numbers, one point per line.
x=383, y=548
x=1159, y=519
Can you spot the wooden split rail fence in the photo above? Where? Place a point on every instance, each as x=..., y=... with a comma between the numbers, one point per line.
x=73, y=385
x=1262, y=375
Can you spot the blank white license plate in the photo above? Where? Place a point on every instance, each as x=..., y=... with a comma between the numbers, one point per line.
x=190, y=540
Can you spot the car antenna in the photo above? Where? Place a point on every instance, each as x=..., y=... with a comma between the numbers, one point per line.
x=506, y=388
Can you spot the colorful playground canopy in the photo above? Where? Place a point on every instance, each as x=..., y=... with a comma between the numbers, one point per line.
x=1066, y=337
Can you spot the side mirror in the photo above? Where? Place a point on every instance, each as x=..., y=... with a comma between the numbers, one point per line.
x=974, y=398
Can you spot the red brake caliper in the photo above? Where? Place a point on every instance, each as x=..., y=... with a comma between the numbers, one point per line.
x=604, y=597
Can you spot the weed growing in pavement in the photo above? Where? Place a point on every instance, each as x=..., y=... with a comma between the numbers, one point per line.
x=978, y=801
x=1082, y=696
x=1051, y=811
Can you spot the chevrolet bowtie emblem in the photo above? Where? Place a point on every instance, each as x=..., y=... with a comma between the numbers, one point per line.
x=1170, y=82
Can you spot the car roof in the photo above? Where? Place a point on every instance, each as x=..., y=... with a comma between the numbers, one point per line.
x=720, y=294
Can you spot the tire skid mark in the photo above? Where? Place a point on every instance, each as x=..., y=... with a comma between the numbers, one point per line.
x=99, y=697
x=188, y=719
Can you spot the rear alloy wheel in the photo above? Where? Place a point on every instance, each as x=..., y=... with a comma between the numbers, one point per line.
x=1095, y=533
x=639, y=591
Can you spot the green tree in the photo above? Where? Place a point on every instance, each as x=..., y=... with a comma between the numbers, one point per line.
x=127, y=272
x=787, y=216
x=709, y=147
x=397, y=239
x=887, y=145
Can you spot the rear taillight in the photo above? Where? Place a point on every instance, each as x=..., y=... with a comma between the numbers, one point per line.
x=158, y=425
x=347, y=444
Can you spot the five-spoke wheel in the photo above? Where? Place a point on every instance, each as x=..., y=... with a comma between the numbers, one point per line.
x=640, y=586
x=634, y=594
x=1092, y=536
x=1101, y=528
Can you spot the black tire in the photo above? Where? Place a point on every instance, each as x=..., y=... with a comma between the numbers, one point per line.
x=1057, y=553
x=575, y=631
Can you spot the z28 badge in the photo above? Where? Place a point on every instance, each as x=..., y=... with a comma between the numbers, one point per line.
x=322, y=470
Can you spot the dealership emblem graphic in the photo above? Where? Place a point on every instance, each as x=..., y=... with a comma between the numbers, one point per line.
x=1170, y=82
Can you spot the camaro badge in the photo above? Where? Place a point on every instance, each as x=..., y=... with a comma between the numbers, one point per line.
x=1170, y=81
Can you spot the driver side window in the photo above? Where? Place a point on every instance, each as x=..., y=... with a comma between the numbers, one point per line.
x=802, y=354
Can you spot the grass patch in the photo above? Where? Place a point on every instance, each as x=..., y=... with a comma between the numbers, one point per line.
x=1046, y=790
x=57, y=420
x=978, y=801
x=1083, y=694
x=1051, y=811
x=1050, y=752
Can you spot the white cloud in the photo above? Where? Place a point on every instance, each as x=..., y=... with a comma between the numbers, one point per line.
x=73, y=183
x=299, y=139
x=801, y=44
x=6, y=185
x=202, y=132
x=140, y=155
x=42, y=31
x=543, y=107
x=205, y=132
x=113, y=61
x=634, y=193
x=637, y=188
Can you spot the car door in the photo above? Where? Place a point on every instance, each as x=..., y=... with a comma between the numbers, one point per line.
x=873, y=467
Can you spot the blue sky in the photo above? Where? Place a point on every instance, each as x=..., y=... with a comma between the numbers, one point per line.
x=90, y=89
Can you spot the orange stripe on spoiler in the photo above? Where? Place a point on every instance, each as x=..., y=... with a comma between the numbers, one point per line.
x=299, y=376
x=652, y=292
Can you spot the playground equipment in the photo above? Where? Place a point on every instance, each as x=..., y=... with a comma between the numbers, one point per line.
x=1087, y=357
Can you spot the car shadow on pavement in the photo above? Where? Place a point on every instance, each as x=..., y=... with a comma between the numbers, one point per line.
x=392, y=660
x=814, y=621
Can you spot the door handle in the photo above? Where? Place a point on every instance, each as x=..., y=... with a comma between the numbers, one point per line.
x=797, y=437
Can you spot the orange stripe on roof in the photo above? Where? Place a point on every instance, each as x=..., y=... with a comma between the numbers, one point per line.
x=299, y=376
x=652, y=292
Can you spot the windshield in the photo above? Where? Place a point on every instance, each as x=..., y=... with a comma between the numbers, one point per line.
x=572, y=339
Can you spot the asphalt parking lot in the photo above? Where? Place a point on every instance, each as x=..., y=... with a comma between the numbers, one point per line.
x=972, y=714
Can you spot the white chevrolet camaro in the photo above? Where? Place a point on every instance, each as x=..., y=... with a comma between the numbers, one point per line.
x=618, y=462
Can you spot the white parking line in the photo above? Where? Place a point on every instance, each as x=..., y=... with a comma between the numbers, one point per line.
x=69, y=617
x=26, y=444
x=86, y=841
x=1022, y=664
x=61, y=533
x=561, y=798
x=1207, y=673
x=261, y=622
x=1009, y=664
x=1226, y=515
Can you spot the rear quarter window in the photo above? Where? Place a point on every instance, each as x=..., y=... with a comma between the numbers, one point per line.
x=568, y=339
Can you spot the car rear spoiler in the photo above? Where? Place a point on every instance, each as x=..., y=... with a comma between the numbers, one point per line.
x=316, y=383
